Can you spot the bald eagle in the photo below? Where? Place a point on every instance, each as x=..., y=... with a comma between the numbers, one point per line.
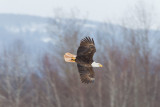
x=84, y=60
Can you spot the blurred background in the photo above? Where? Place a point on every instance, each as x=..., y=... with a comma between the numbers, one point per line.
x=35, y=34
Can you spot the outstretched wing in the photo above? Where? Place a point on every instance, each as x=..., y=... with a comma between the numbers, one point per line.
x=86, y=50
x=86, y=74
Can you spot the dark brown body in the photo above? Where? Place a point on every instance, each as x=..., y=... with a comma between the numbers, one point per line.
x=84, y=59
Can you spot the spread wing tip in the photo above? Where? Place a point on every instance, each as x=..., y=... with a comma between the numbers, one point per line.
x=87, y=81
x=87, y=39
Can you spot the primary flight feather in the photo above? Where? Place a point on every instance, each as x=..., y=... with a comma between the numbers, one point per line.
x=84, y=60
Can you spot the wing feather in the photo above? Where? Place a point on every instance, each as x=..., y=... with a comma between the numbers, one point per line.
x=87, y=41
x=86, y=48
x=86, y=74
x=84, y=60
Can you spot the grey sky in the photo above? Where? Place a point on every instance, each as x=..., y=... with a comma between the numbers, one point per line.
x=97, y=9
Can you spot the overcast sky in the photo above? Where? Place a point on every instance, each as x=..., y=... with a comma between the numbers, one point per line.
x=99, y=10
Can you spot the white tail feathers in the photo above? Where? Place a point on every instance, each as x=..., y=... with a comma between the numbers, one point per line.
x=68, y=57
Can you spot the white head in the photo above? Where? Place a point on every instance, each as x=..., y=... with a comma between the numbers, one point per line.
x=94, y=64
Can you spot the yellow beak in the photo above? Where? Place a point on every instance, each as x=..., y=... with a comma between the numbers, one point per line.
x=100, y=65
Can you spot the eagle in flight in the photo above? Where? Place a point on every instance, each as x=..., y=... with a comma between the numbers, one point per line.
x=84, y=60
